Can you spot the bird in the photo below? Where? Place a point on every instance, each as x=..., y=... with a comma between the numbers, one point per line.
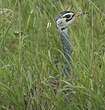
x=63, y=20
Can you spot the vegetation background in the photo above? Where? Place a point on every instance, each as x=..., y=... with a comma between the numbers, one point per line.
x=31, y=53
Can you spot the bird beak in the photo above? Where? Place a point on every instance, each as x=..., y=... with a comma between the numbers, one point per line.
x=80, y=13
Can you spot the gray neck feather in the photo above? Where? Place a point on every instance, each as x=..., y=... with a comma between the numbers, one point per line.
x=66, y=49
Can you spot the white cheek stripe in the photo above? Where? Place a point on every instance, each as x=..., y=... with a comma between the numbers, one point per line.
x=68, y=14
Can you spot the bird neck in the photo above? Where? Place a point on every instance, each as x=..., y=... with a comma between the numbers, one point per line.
x=64, y=37
x=63, y=31
x=66, y=50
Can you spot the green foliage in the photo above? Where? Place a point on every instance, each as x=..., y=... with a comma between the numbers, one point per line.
x=31, y=55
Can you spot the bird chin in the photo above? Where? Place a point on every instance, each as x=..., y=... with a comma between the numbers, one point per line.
x=70, y=22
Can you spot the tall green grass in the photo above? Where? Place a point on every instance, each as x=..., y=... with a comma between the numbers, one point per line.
x=31, y=54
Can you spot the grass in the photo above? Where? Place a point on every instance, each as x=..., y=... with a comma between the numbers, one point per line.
x=31, y=54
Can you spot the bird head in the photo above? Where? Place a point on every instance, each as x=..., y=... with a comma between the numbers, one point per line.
x=65, y=18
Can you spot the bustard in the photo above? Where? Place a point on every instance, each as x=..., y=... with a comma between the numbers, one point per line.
x=63, y=20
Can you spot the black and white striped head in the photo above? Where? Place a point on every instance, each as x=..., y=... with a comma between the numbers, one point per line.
x=65, y=18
